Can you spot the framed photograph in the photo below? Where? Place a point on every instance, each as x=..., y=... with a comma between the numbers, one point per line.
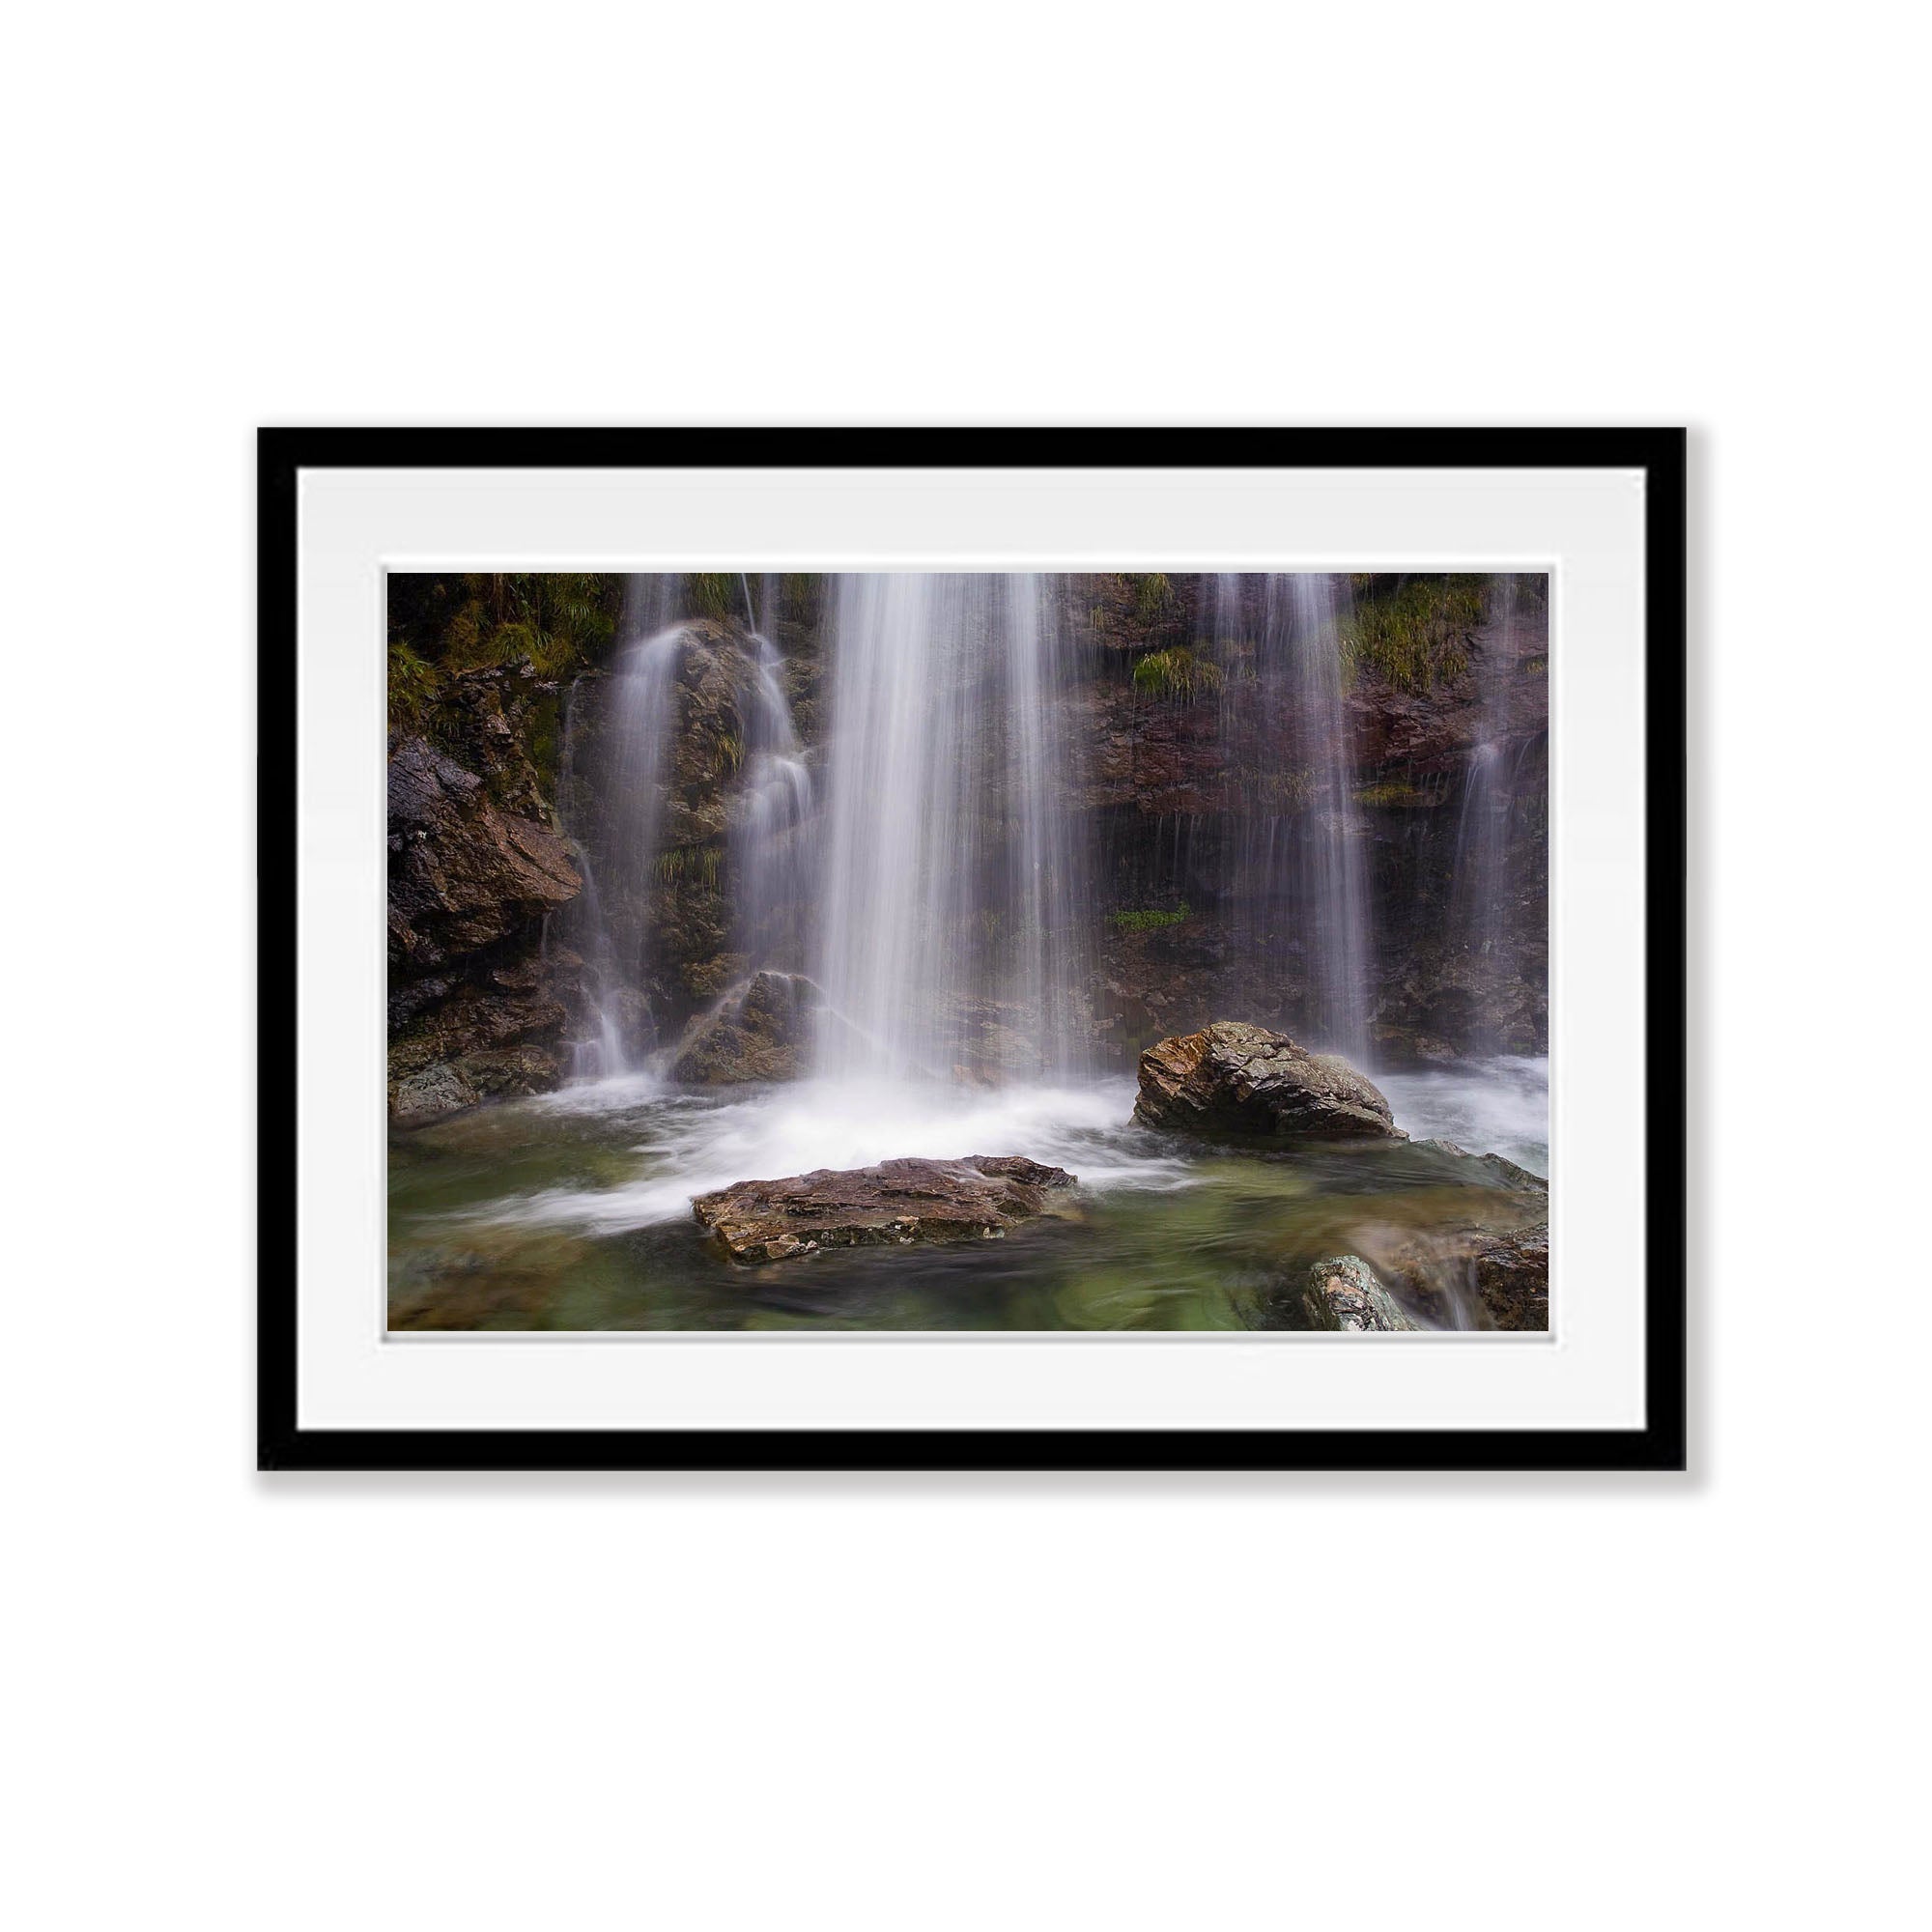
x=972, y=948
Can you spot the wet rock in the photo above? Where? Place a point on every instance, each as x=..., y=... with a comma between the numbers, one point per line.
x=1244, y=1081
x=487, y=717
x=896, y=1203
x=1513, y=1279
x=517, y=1071
x=1475, y=1277
x=475, y=1021
x=761, y=1030
x=453, y=1086
x=433, y=1094
x=470, y=884
x=462, y=874
x=1342, y=1293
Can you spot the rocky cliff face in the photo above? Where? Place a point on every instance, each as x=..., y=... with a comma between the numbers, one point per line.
x=1185, y=792
x=475, y=867
x=1187, y=789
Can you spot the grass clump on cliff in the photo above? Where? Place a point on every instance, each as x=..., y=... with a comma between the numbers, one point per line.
x=1153, y=596
x=690, y=866
x=560, y=621
x=1277, y=788
x=442, y=626
x=716, y=593
x=414, y=682
x=1387, y=792
x=1176, y=676
x=1151, y=920
x=1410, y=631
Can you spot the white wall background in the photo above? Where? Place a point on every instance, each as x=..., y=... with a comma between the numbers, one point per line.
x=415, y=1703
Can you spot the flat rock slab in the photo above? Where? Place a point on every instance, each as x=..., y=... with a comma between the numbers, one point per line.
x=891, y=1204
x=1238, y=1080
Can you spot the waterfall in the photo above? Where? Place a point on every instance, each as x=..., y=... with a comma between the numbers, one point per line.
x=1482, y=824
x=772, y=833
x=621, y=755
x=613, y=810
x=1295, y=869
x=1306, y=612
x=926, y=862
x=952, y=892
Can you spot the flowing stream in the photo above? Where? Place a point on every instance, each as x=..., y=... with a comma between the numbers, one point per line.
x=574, y=1211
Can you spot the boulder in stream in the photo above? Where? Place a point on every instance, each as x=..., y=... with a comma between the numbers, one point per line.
x=896, y=1203
x=1342, y=1293
x=1244, y=1081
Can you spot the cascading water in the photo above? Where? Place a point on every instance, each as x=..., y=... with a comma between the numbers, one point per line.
x=772, y=834
x=1295, y=870
x=599, y=1053
x=612, y=799
x=1306, y=612
x=953, y=891
x=1482, y=824
x=618, y=809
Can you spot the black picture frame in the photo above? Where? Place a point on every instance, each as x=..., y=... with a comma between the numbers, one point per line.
x=1660, y=1444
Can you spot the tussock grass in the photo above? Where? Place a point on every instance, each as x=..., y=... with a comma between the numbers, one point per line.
x=1176, y=676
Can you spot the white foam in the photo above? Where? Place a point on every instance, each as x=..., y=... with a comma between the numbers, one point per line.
x=695, y=1146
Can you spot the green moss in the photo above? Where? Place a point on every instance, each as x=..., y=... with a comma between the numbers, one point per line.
x=1393, y=792
x=1147, y=920
x=1177, y=675
x=546, y=742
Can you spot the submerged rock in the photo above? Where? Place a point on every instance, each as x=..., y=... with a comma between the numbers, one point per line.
x=1343, y=1294
x=1495, y=1169
x=894, y=1203
x=761, y=1030
x=1231, y=1078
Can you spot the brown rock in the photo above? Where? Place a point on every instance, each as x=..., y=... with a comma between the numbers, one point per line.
x=1243, y=1080
x=896, y=1203
x=462, y=874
